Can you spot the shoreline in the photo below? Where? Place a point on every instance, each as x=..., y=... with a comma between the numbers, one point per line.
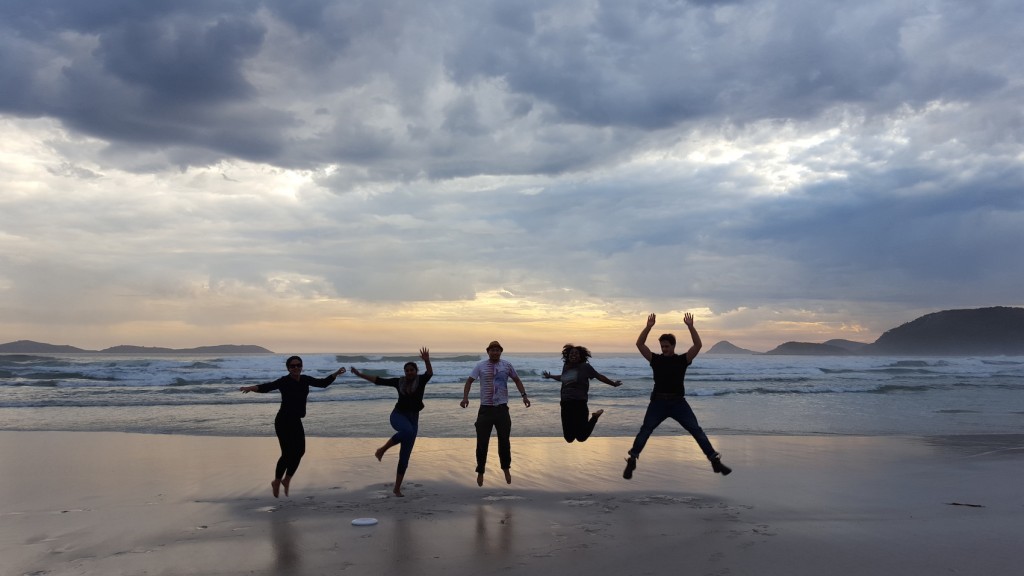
x=131, y=503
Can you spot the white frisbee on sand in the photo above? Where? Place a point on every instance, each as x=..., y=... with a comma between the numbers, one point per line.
x=364, y=521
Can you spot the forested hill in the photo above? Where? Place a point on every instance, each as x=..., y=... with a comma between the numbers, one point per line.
x=976, y=332
x=31, y=347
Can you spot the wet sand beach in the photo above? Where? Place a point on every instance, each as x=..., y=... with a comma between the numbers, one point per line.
x=111, y=503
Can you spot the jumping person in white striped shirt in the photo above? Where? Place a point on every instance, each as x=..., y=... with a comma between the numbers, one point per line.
x=493, y=374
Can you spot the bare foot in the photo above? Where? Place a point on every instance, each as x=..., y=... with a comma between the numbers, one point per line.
x=275, y=486
x=480, y=479
x=508, y=476
x=596, y=415
x=287, y=480
x=398, y=492
x=380, y=453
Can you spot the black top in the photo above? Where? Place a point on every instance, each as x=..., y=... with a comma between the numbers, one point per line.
x=576, y=380
x=410, y=399
x=669, y=372
x=293, y=394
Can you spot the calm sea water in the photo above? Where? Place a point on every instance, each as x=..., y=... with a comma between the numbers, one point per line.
x=730, y=394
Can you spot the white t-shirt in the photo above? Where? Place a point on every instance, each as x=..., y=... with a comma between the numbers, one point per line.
x=493, y=377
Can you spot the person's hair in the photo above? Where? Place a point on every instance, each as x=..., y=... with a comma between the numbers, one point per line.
x=413, y=364
x=568, y=348
x=289, y=360
x=670, y=338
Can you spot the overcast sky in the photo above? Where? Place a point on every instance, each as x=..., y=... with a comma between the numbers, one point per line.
x=311, y=175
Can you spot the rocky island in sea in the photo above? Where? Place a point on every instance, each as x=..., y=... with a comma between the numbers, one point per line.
x=995, y=331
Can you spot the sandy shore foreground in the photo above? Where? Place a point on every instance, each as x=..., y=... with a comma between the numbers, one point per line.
x=108, y=503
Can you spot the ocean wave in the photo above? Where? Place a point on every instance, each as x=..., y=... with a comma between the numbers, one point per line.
x=1014, y=384
x=532, y=373
x=34, y=383
x=893, y=388
x=22, y=360
x=65, y=376
x=897, y=370
x=918, y=363
x=824, y=388
x=199, y=387
x=902, y=371
x=742, y=379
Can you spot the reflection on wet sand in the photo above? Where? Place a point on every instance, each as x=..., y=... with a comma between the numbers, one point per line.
x=282, y=538
x=493, y=530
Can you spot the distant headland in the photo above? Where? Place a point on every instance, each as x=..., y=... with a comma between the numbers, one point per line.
x=30, y=347
x=996, y=331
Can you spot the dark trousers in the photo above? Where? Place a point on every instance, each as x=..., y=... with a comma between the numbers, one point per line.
x=292, y=438
x=496, y=417
x=576, y=421
x=407, y=426
x=679, y=410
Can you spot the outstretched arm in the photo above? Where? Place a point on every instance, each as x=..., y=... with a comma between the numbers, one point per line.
x=425, y=355
x=547, y=374
x=261, y=388
x=325, y=382
x=608, y=381
x=641, y=340
x=370, y=378
x=695, y=349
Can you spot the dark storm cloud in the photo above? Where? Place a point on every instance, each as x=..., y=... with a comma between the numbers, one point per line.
x=183, y=74
x=654, y=64
x=159, y=73
x=183, y=64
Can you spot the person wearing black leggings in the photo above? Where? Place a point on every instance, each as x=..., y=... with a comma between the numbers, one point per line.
x=288, y=423
x=577, y=421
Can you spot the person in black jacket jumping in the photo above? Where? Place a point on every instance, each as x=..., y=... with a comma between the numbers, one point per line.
x=288, y=423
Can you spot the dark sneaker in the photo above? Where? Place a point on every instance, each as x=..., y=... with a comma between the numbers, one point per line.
x=630, y=466
x=717, y=466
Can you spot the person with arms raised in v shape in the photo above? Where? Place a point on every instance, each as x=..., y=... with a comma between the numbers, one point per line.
x=668, y=397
